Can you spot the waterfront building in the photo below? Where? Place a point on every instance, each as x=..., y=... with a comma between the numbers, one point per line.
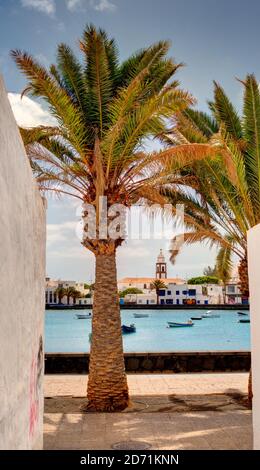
x=52, y=286
x=144, y=283
x=232, y=293
x=189, y=294
x=180, y=294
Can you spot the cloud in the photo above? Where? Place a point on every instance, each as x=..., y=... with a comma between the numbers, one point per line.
x=103, y=5
x=72, y=5
x=57, y=233
x=43, y=6
x=98, y=5
x=28, y=113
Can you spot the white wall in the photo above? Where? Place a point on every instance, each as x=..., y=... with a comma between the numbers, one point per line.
x=22, y=282
x=254, y=287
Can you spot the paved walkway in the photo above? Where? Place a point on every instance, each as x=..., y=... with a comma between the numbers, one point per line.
x=182, y=411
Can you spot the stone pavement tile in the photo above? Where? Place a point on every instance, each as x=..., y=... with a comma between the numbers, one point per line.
x=50, y=442
x=183, y=442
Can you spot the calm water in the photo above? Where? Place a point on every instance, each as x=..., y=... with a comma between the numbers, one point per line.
x=65, y=333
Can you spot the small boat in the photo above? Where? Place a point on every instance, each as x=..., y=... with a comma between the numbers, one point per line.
x=128, y=329
x=174, y=324
x=243, y=313
x=244, y=320
x=141, y=315
x=209, y=314
x=83, y=316
x=196, y=318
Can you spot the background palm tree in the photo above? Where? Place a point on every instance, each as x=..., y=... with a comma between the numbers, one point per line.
x=69, y=292
x=60, y=292
x=157, y=285
x=105, y=110
x=223, y=199
x=76, y=294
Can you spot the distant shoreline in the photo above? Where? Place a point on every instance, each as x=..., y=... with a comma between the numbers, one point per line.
x=155, y=307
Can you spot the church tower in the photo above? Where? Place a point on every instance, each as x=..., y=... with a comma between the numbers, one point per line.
x=161, y=267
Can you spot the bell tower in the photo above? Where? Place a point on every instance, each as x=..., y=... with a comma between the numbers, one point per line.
x=161, y=267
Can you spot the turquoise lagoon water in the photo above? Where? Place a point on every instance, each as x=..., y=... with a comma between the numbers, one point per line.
x=65, y=333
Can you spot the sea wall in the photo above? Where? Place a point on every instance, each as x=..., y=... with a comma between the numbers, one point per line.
x=172, y=362
x=22, y=282
x=236, y=307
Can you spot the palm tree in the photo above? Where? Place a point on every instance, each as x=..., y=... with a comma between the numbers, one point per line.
x=69, y=292
x=76, y=294
x=223, y=269
x=60, y=292
x=157, y=285
x=105, y=111
x=223, y=201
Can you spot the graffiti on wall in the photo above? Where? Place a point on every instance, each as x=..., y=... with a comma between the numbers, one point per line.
x=35, y=387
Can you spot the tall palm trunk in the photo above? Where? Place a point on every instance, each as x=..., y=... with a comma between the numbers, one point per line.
x=244, y=288
x=243, y=277
x=107, y=384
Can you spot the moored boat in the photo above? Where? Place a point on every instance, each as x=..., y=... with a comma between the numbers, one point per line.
x=128, y=329
x=244, y=320
x=196, y=318
x=243, y=313
x=83, y=316
x=174, y=324
x=209, y=314
x=141, y=315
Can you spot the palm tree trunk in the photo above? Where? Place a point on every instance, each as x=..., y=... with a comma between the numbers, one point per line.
x=244, y=288
x=107, y=383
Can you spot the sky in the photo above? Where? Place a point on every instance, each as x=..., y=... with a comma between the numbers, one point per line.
x=216, y=39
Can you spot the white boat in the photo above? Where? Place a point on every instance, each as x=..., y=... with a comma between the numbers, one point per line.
x=209, y=314
x=141, y=315
x=83, y=316
x=175, y=324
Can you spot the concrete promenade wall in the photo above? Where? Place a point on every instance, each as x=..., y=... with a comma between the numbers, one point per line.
x=22, y=283
x=254, y=287
x=174, y=362
x=236, y=307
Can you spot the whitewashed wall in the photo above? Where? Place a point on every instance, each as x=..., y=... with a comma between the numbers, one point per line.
x=254, y=283
x=22, y=276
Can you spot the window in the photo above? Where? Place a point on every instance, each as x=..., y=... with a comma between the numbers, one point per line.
x=50, y=297
x=169, y=301
x=231, y=289
x=161, y=293
x=177, y=292
x=169, y=292
x=145, y=286
x=184, y=292
x=192, y=292
x=163, y=269
x=162, y=301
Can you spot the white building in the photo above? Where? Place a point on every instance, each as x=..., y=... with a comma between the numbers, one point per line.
x=232, y=292
x=180, y=294
x=189, y=294
x=52, y=285
x=141, y=299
